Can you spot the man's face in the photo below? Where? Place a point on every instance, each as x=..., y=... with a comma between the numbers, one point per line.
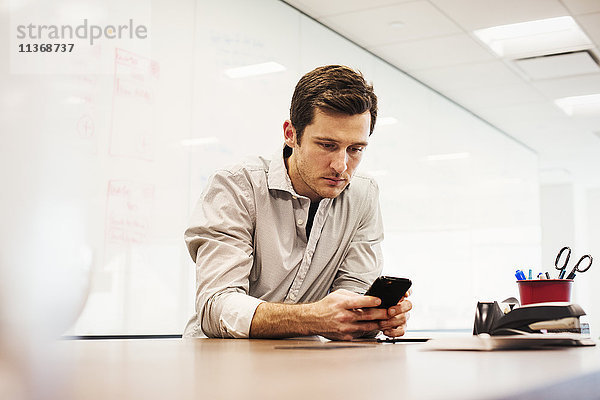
x=330, y=149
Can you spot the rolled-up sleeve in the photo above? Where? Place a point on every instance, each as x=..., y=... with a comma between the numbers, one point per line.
x=220, y=241
x=364, y=259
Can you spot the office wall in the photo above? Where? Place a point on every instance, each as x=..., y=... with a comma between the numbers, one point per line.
x=102, y=182
x=96, y=180
x=593, y=231
x=460, y=199
x=557, y=203
x=569, y=217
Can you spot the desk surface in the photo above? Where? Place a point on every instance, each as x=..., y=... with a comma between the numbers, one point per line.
x=303, y=369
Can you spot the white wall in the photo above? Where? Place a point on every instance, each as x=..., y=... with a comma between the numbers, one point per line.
x=592, y=277
x=457, y=227
x=557, y=206
x=570, y=217
x=96, y=179
x=113, y=201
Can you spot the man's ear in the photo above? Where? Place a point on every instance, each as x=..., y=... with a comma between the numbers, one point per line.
x=289, y=133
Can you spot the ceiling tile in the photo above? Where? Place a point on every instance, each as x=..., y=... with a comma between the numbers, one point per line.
x=434, y=52
x=542, y=115
x=479, y=98
x=466, y=76
x=308, y=8
x=478, y=14
x=591, y=25
x=435, y=45
x=372, y=27
x=582, y=6
x=320, y=8
x=565, y=87
x=538, y=125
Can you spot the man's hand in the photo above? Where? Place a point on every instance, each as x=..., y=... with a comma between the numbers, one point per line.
x=395, y=323
x=343, y=315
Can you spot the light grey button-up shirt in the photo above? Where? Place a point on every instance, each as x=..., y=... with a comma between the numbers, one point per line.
x=248, y=238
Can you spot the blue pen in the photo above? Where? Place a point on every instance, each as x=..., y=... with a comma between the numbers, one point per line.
x=530, y=276
x=562, y=274
x=523, y=277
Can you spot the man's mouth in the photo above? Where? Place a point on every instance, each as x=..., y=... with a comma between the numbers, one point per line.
x=334, y=181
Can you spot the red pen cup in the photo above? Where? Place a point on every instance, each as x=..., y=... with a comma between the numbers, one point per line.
x=544, y=290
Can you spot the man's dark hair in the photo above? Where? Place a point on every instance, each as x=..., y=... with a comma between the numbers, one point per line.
x=331, y=88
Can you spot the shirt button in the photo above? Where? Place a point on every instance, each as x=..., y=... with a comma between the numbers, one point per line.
x=292, y=297
x=300, y=222
x=295, y=197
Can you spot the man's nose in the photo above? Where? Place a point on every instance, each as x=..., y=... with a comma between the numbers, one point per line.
x=340, y=162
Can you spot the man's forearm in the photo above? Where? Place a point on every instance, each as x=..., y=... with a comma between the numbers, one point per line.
x=272, y=320
x=341, y=315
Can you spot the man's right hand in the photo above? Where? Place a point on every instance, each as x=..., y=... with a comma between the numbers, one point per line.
x=344, y=315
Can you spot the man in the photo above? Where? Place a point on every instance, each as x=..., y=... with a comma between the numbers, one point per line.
x=287, y=247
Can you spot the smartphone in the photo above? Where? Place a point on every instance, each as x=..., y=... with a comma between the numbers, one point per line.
x=389, y=289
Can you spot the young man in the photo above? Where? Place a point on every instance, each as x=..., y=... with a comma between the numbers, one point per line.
x=286, y=247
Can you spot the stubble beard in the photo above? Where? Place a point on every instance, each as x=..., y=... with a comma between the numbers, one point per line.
x=313, y=185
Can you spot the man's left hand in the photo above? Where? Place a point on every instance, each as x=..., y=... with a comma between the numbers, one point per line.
x=398, y=315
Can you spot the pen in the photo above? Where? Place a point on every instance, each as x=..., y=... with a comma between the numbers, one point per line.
x=547, y=275
x=530, y=276
x=562, y=273
x=520, y=275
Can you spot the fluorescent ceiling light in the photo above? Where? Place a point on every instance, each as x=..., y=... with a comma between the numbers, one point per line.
x=199, y=141
x=254, y=69
x=558, y=65
x=449, y=156
x=544, y=36
x=581, y=105
x=383, y=121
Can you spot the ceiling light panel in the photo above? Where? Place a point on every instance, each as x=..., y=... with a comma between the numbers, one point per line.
x=545, y=36
x=580, y=105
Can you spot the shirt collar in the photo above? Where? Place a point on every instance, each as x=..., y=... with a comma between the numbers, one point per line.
x=278, y=177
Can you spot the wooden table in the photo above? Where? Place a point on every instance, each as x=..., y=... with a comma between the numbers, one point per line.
x=304, y=369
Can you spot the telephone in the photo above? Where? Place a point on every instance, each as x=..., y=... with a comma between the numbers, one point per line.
x=531, y=318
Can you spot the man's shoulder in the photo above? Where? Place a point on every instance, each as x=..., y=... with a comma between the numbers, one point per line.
x=363, y=184
x=246, y=166
x=362, y=191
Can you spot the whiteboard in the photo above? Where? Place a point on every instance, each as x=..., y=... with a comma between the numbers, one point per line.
x=104, y=168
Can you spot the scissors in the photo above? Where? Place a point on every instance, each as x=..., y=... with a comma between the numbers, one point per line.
x=576, y=268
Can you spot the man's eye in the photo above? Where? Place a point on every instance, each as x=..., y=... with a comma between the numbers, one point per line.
x=327, y=145
x=356, y=149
